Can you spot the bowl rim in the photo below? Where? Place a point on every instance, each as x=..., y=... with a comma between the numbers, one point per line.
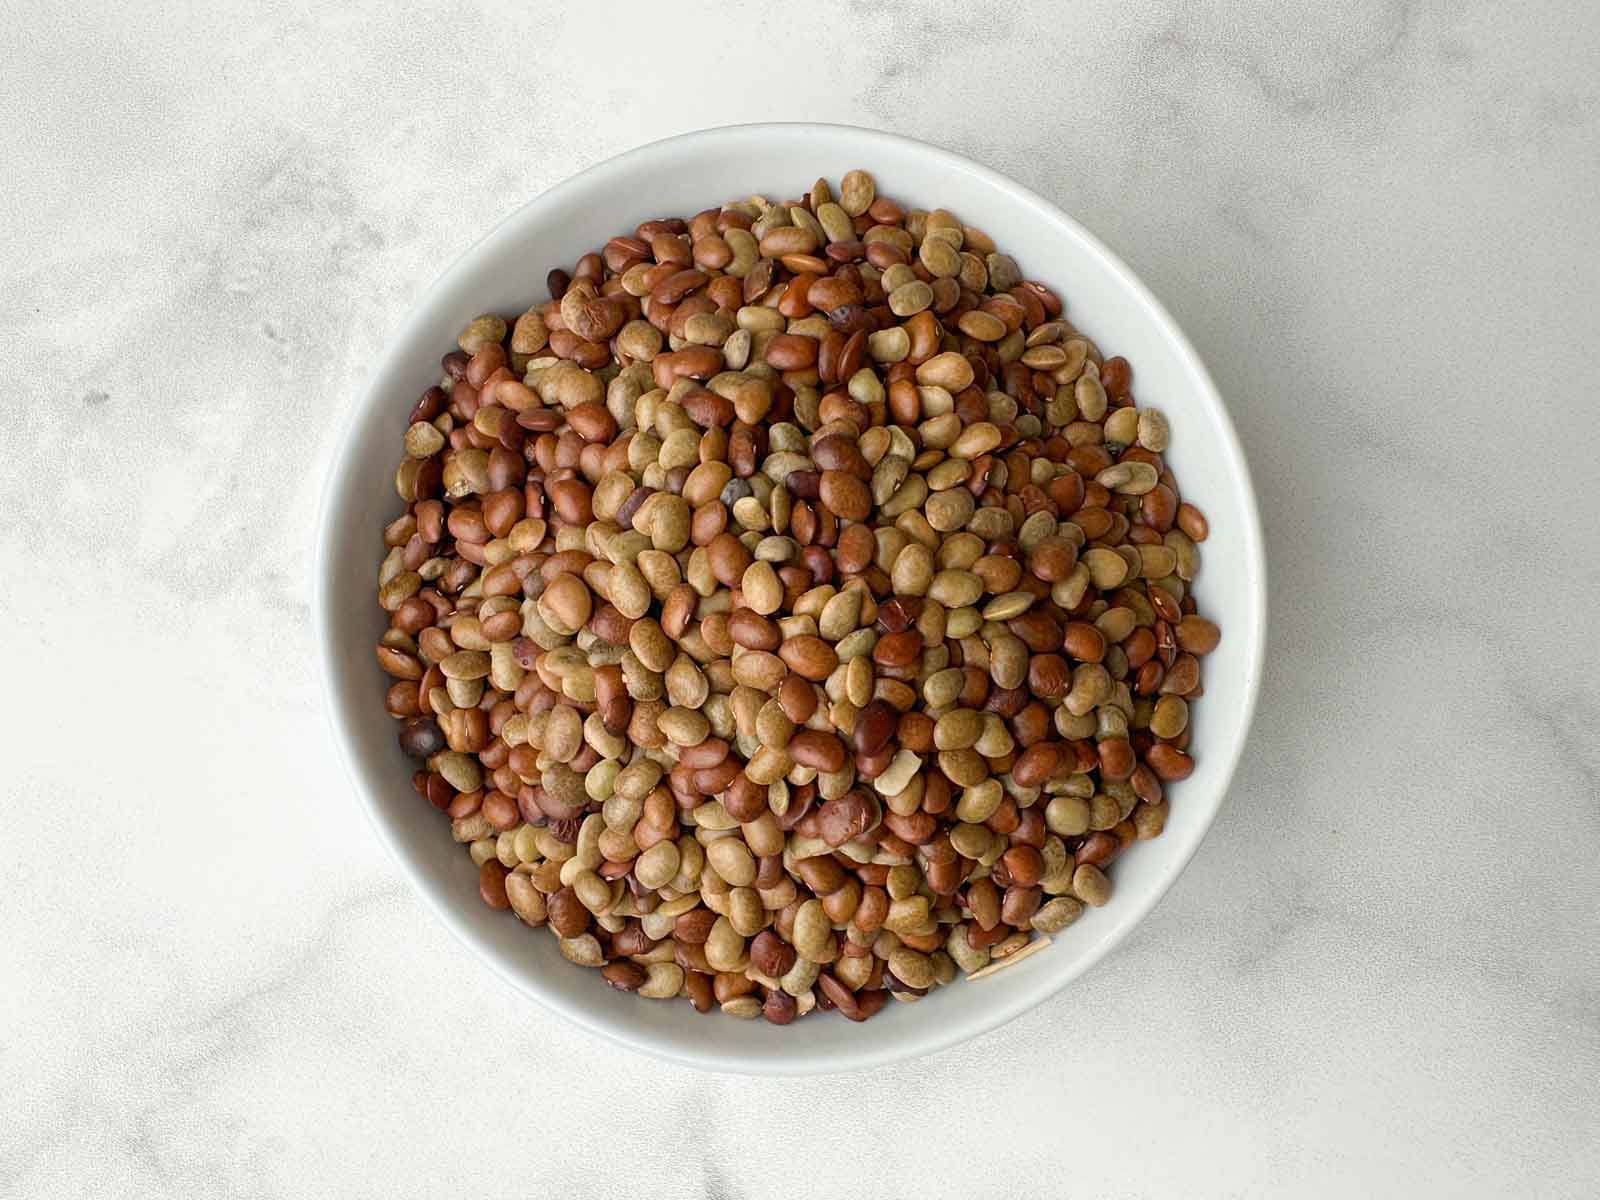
x=714, y=1058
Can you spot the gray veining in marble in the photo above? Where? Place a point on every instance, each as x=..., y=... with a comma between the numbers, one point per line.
x=1376, y=220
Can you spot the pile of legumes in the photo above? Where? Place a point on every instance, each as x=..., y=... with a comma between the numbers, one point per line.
x=793, y=611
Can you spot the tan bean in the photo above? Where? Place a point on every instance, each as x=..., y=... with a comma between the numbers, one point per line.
x=1090, y=885
x=731, y=859
x=760, y=587
x=811, y=931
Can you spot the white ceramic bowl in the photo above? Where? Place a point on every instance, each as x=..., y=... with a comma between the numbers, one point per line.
x=505, y=273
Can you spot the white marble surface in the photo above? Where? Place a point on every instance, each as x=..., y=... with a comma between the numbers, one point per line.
x=1381, y=975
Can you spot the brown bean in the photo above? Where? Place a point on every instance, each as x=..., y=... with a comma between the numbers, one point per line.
x=822, y=875
x=779, y=1008
x=818, y=750
x=1025, y=865
x=1198, y=635
x=875, y=724
x=983, y=901
x=1169, y=763
x=808, y=656
x=1019, y=904
x=846, y=496
x=798, y=699
x=1193, y=522
x=791, y=352
x=492, y=884
x=623, y=975
x=1083, y=642
x=566, y=913
x=771, y=955
x=694, y=927
x=1116, y=759
x=898, y=649
x=1035, y=765
x=846, y=818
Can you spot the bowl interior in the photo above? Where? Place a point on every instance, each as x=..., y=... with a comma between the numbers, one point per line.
x=505, y=273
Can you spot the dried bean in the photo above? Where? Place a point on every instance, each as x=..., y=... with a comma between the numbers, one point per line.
x=794, y=610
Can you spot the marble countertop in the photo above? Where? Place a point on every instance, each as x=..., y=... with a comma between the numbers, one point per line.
x=1377, y=221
